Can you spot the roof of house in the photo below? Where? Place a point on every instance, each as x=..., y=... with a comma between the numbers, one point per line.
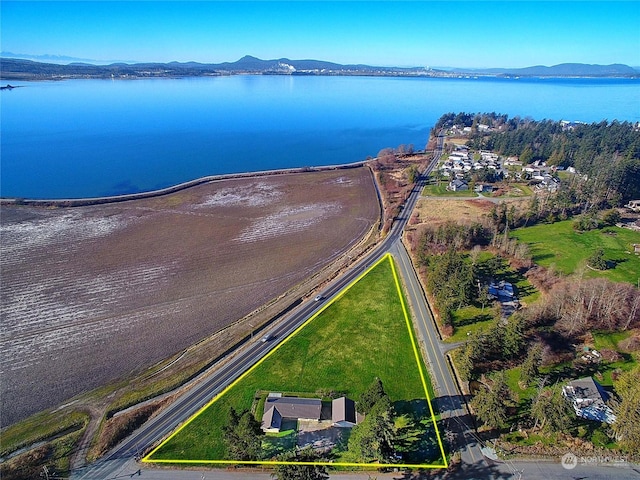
x=589, y=400
x=587, y=389
x=271, y=419
x=277, y=408
x=343, y=409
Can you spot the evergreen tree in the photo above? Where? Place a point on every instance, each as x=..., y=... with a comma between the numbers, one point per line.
x=370, y=396
x=300, y=472
x=627, y=410
x=483, y=296
x=611, y=217
x=597, y=261
x=513, y=336
x=490, y=403
x=243, y=435
x=374, y=439
x=530, y=366
x=551, y=410
x=464, y=363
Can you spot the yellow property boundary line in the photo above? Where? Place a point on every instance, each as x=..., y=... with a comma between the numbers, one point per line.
x=148, y=459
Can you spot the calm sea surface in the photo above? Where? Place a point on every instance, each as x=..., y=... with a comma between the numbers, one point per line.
x=85, y=138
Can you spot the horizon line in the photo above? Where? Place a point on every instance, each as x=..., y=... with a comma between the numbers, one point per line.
x=67, y=60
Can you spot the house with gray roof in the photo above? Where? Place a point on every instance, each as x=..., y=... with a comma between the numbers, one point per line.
x=278, y=408
x=588, y=399
x=457, y=185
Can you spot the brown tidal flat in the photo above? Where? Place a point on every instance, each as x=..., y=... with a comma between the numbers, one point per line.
x=93, y=294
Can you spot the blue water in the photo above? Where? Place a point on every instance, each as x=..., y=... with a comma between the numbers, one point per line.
x=85, y=138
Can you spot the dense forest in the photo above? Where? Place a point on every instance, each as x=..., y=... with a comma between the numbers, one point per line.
x=607, y=153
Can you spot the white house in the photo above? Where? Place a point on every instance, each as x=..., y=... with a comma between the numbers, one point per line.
x=633, y=205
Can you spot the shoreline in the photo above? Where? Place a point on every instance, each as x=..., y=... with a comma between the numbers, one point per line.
x=87, y=201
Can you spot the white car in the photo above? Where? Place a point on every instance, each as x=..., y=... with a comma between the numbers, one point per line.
x=318, y=298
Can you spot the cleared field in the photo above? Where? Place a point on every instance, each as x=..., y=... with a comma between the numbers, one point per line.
x=435, y=211
x=560, y=245
x=92, y=294
x=363, y=335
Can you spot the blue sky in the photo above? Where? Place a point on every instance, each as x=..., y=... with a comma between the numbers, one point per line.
x=453, y=33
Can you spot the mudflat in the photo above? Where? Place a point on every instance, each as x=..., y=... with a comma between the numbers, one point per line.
x=92, y=294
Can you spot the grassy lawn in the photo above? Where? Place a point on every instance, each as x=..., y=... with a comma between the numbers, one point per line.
x=362, y=335
x=560, y=245
x=610, y=340
x=515, y=190
x=461, y=333
x=523, y=396
x=441, y=191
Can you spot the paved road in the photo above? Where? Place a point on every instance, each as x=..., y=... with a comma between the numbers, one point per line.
x=480, y=470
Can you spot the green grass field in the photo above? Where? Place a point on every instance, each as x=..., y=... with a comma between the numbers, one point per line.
x=441, y=191
x=362, y=335
x=610, y=340
x=516, y=190
x=560, y=245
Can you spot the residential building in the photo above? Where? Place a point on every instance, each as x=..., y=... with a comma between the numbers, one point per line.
x=457, y=185
x=633, y=205
x=588, y=399
x=278, y=408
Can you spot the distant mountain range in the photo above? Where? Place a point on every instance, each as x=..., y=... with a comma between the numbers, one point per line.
x=568, y=70
x=21, y=69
